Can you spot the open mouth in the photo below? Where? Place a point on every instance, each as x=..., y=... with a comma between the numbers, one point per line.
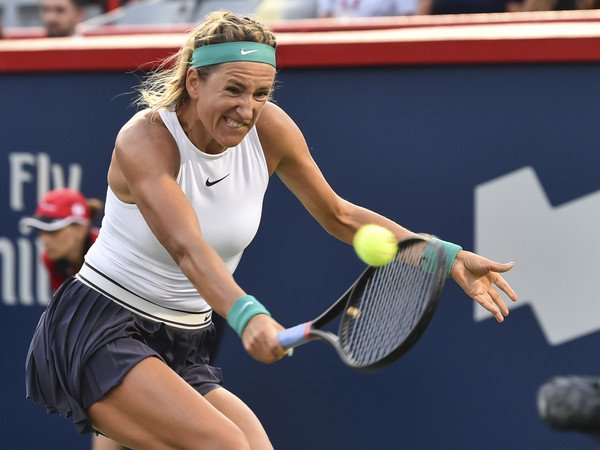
x=233, y=124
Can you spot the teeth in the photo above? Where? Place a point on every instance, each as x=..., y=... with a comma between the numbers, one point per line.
x=233, y=123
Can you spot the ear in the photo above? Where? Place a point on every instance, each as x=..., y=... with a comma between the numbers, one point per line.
x=192, y=81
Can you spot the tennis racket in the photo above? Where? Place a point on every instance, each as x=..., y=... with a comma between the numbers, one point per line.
x=386, y=310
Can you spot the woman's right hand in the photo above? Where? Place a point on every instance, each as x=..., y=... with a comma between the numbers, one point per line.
x=260, y=339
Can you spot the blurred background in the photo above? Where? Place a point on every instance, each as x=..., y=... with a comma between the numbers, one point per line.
x=473, y=120
x=31, y=17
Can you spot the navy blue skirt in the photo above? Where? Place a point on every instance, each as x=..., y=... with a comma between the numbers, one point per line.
x=84, y=345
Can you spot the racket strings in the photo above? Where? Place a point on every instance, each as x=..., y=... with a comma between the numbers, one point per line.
x=392, y=303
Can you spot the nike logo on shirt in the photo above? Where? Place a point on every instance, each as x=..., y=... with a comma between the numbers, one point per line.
x=211, y=183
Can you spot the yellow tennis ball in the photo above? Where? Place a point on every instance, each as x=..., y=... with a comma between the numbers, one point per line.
x=375, y=245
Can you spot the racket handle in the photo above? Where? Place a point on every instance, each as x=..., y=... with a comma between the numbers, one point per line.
x=293, y=337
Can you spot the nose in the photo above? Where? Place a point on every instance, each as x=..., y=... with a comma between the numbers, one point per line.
x=49, y=14
x=246, y=108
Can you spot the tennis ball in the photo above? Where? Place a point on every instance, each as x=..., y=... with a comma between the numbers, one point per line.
x=375, y=245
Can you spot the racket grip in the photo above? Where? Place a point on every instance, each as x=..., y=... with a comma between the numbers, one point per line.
x=294, y=336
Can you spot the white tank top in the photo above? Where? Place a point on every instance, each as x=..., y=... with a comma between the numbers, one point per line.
x=225, y=190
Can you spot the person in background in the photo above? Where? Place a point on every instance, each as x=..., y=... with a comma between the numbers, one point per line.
x=61, y=17
x=468, y=6
x=366, y=8
x=64, y=219
x=272, y=10
x=558, y=5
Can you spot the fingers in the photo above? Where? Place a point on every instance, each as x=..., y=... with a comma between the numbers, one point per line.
x=260, y=339
x=479, y=279
x=265, y=352
x=498, y=301
x=500, y=268
x=486, y=301
x=277, y=354
x=493, y=302
x=505, y=287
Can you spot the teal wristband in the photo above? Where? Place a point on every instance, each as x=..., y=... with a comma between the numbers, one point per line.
x=450, y=249
x=451, y=252
x=244, y=309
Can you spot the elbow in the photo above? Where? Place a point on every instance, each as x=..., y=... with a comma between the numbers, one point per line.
x=340, y=223
x=179, y=247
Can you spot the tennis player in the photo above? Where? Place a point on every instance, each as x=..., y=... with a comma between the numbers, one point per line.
x=186, y=185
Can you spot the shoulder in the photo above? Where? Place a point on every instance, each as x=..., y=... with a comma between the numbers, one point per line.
x=279, y=135
x=145, y=142
x=146, y=125
x=273, y=120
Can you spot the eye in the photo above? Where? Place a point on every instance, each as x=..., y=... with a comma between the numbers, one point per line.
x=233, y=90
x=262, y=95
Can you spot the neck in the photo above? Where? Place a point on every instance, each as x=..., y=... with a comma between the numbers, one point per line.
x=196, y=131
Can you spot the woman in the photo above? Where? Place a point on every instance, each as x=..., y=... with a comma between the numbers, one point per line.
x=64, y=220
x=186, y=185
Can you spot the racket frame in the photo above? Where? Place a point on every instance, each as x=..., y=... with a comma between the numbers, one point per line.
x=305, y=332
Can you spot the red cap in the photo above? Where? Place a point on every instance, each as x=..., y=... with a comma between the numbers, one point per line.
x=59, y=208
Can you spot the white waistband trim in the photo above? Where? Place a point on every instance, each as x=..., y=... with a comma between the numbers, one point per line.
x=127, y=299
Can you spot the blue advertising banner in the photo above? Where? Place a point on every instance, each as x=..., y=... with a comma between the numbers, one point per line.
x=498, y=158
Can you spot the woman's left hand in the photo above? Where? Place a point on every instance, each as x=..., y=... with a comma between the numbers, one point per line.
x=477, y=276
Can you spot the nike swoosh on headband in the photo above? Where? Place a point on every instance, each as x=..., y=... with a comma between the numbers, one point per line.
x=247, y=51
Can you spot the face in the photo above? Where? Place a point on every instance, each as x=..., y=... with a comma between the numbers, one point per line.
x=60, y=17
x=65, y=243
x=228, y=103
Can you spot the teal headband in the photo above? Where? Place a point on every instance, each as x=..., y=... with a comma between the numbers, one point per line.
x=208, y=55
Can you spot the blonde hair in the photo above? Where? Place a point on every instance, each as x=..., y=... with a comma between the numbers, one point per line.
x=165, y=88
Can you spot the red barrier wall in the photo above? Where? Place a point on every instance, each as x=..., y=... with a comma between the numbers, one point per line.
x=569, y=36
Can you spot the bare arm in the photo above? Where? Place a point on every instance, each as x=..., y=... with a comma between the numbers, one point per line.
x=288, y=155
